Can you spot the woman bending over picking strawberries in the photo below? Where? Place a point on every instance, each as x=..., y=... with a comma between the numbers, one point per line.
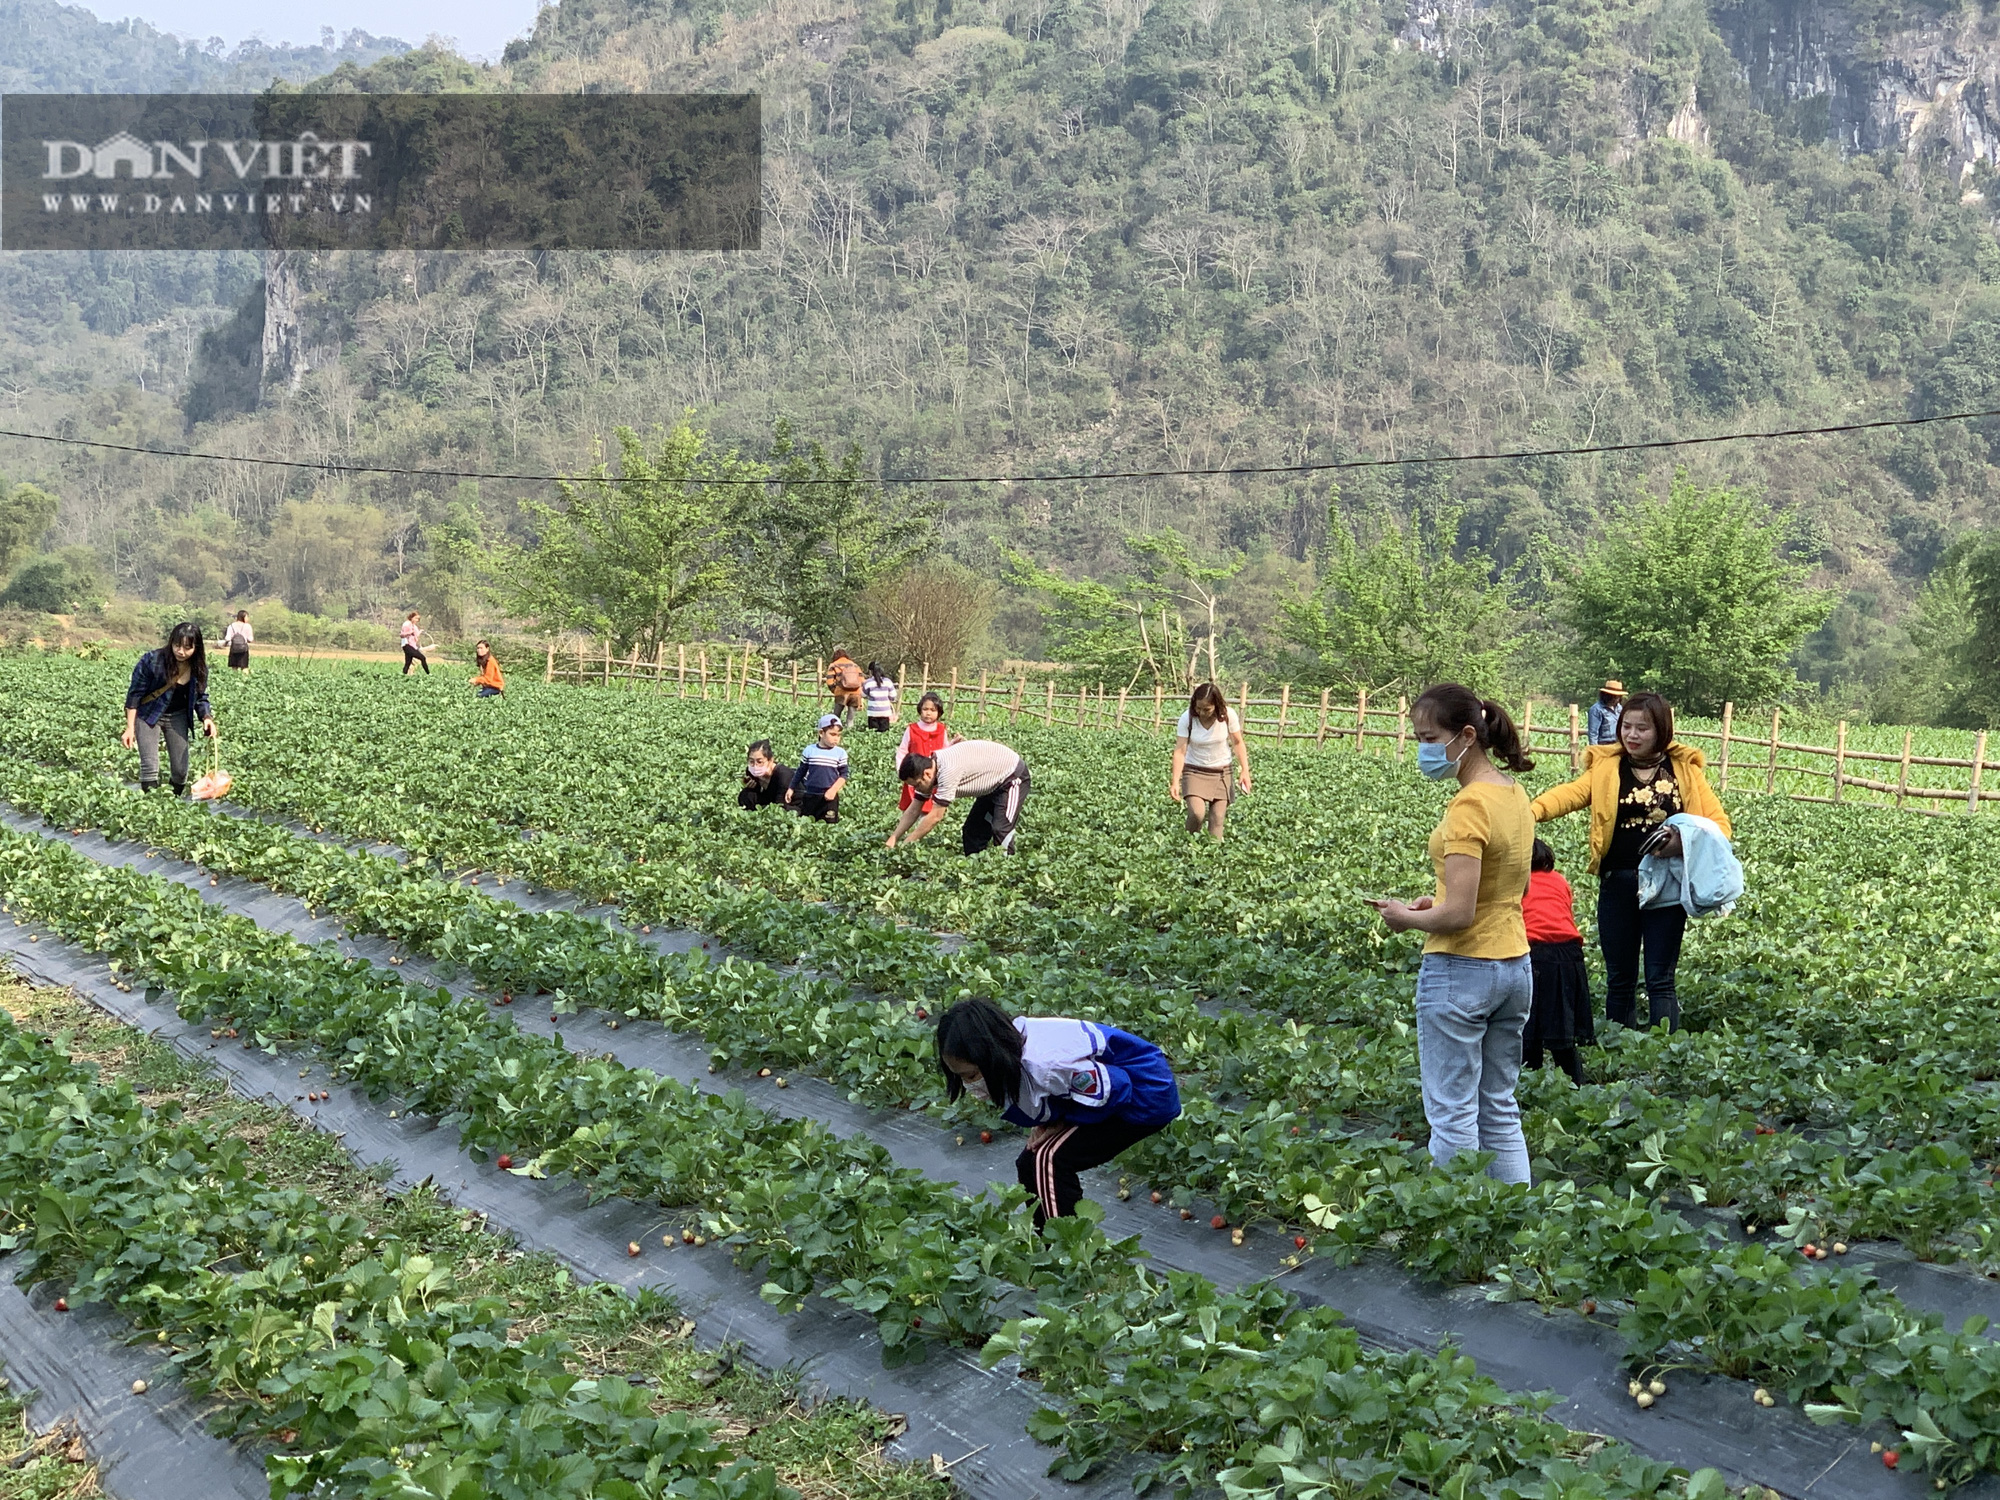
x=1088, y=1091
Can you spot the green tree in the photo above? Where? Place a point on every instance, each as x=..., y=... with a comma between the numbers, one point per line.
x=58, y=583
x=641, y=557
x=1693, y=597
x=1400, y=611
x=1977, y=658
x=1927, y=685
x=814, y=542
x=25, y=513
x=1133, y=630
x=454, y=549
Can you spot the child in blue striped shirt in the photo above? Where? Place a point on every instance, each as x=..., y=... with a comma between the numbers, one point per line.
x=821, y=776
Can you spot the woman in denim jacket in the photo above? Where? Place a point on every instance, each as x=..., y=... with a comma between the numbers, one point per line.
x=168, y=695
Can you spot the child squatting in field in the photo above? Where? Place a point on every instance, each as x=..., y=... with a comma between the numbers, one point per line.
x=1088, y=1091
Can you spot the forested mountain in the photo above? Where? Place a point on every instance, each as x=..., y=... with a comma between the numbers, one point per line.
x=1030, y=236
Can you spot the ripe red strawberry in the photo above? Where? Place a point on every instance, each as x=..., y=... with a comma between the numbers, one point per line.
x=506, y=997
x=922, y=1014
x=985, y=1137
x=1218, y=1222
x=62, y=1304
x=1295, y=1130
x=1299, y=1241
x=1890, y=1458
x=916, y=1322
x=1156, y=1197
x=504, y=1162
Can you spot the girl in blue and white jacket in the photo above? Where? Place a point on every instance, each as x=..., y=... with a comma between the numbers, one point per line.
x=1089, y=1091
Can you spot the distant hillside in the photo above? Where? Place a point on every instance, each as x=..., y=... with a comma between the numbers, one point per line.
x=50, y=48
x=1043, y=235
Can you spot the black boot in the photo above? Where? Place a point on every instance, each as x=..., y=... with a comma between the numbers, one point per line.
x=149, y=786
x=180, y=789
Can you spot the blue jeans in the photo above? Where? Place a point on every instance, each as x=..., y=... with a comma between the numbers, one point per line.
x=1470, y=1013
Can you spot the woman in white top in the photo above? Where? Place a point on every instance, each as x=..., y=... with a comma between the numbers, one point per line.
x=238, y=638
x=1207, y=737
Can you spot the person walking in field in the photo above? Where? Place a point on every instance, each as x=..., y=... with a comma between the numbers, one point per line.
x=1560, y=1019
x=843, y=680
x=821, y=776
x=412, y=652
x=1475, y=986
x=1087, y=1091
x=1206, y=740
x=1632, y=786
x=995, y=777
x=878, y=691
x=167, y=697
x=236, y=639
x=926, y=735
x=1601, y=726
x=487, y=679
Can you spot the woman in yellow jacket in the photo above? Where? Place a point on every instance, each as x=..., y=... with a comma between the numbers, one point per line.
x=1631, y=787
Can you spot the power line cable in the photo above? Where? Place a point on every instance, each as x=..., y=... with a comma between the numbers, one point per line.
x=1246, y=470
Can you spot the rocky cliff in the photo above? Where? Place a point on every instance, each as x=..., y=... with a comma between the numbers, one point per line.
x=1922, y=83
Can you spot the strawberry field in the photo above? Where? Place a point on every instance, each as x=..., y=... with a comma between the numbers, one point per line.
x=1759, y=1252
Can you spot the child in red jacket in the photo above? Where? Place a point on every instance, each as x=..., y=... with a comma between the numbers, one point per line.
x=926, y=736
x=1559, y=1017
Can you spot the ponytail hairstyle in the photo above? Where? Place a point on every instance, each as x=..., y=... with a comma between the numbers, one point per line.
x=1659, y=713
x=1455, y=708
x=981, y=1033
x=874, y=672
x=1541, y=858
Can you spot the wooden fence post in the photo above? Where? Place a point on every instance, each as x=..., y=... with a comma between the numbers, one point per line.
x=1319, y=735
x=927, y=680
x=607, y=661
x=1839, y=759
x=704, y=674
x=1243, y=707
x=1284, y=710
x=1528, y=726
x=795, y=680
x=982, y=695
x=549, y=671
x=1771, y=766
x=903, y=676
x=681, y=656
x=1083, y=701
x=1361, y=719
x=1159, y=700
x=1049, y=707
x=1020, y=697
x=1402, y=722
x=1903, y=777
x=1978, y=766
x=1722, y=770
x=767, y=679
x=1575, y=742
x=582, y=663
x=819, y=674
x=1122, y=692
x=953, y=699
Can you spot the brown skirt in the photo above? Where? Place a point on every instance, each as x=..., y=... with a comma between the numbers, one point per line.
x=1208, y=785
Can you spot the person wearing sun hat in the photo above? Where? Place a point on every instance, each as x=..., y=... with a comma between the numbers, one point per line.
x=1604, y=712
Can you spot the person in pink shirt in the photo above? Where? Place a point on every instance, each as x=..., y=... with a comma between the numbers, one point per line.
x=1559, y=1017
x=411, y=651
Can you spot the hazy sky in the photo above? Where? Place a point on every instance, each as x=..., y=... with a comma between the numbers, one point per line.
x=481, y=27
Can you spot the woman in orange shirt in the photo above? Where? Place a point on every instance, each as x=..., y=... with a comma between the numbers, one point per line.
x=488, y=680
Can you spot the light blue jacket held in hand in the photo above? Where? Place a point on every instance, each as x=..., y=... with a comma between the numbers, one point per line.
x=1705, y=879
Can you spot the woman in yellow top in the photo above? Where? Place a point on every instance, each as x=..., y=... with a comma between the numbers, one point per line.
x=488, y=679
x=1631, y=787
x=1476, y=984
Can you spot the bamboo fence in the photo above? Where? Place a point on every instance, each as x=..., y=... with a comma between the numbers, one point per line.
x=1762, y=760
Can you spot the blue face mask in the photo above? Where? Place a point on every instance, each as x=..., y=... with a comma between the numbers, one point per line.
x=1433, y=760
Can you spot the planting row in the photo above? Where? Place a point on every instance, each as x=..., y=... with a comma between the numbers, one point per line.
x=1243, y=1373
x=1264, y=1091
x=1738, y=1310
x=348, y=1351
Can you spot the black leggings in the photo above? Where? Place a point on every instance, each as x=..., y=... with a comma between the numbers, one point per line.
x=412, y=654
x=1049, y=1170
x=1565, y=1058
x=1624, y=931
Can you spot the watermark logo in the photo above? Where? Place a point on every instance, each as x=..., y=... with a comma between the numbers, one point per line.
x=379, y=171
